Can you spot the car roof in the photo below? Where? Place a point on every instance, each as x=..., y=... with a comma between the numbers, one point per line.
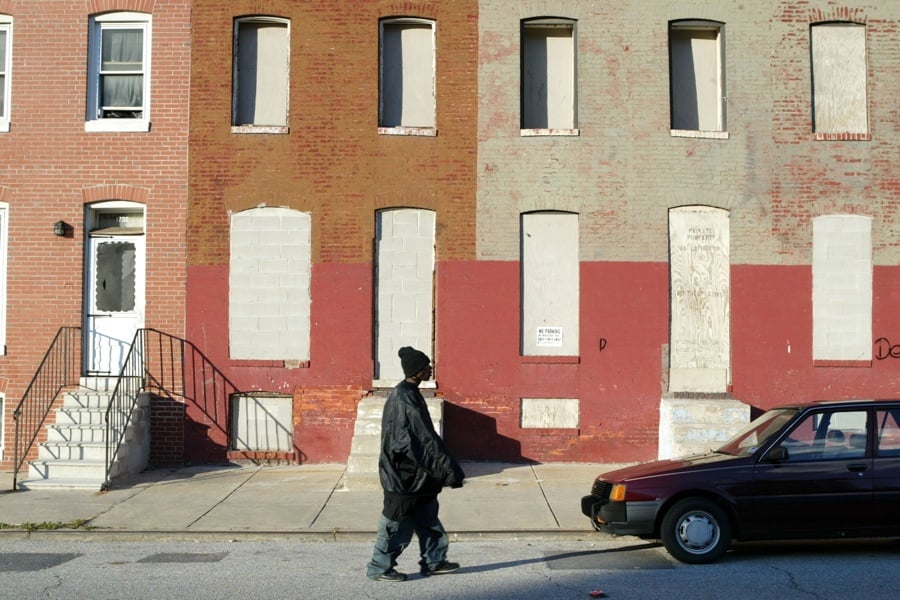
x=847, y=402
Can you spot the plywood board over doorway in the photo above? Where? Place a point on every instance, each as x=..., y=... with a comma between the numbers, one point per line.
x=700, y=348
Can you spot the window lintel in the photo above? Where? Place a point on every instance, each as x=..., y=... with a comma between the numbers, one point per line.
x=115, y=17
x=549, y=22
x=696, y=24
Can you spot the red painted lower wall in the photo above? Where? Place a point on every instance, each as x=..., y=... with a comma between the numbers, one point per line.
x=618, y=376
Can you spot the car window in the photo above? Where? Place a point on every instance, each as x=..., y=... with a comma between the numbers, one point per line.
x=761, y=429
x=827, y=435
x=888, y=421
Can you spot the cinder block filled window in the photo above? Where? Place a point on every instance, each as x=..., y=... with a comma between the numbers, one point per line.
x=269, y=284
x=550, y=284
x=407, y=77
x=842, y=288
x=5, y=69
x=548, y=74
x=839, y=78
x=119, y=72
x=696, y=75
x=261, y=72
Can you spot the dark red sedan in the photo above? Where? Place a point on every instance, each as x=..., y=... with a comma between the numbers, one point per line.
x=821, y=470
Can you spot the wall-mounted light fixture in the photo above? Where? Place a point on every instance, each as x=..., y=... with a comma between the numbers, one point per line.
x=60, y=228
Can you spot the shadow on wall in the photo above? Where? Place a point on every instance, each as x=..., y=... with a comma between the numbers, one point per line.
x=473, y=436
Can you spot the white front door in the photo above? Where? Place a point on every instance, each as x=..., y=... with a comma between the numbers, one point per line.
x=115, y=301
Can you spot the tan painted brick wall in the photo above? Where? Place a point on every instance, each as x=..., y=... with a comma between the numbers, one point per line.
x=625, y=171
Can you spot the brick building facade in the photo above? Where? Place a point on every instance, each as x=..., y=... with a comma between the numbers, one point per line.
x=603, y=221
x=331, y=160
x=66, y=159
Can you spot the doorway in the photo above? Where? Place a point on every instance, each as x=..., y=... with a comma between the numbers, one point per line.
x=404, y=295
x=114, y=285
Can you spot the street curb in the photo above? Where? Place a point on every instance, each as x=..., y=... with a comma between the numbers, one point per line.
x=108, y=535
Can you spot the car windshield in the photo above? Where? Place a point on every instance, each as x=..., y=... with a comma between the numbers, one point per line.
x=761, y=429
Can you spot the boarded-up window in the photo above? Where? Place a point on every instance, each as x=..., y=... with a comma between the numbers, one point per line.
x=407, y=73
x=839, y=78
x=695, y=49
x=269, y=285
x=548, y=74
x=550, y=284
x=261, y=67
x=842, y=288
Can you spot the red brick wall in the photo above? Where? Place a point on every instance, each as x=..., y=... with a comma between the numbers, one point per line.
x=51, y=168
x=334, y=165
x=167, y=428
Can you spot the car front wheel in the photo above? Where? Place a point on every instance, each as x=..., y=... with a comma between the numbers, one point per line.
x=696, y=531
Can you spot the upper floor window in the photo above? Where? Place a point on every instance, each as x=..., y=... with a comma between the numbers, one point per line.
x=697, y=78
x=261, y=74
x=407, y=77
x=119, y=73
x=548, y=76
x=5, y=69
x=839, y=78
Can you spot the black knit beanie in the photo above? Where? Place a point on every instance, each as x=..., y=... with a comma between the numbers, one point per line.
x=412, y=360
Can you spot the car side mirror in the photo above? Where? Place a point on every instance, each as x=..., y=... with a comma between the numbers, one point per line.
x=777, y=454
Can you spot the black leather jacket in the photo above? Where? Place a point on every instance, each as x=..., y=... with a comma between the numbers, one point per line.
x=413, y=460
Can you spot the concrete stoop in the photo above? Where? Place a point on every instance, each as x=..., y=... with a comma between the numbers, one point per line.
x=74, y=453
x=362, y=464
x=696, y=423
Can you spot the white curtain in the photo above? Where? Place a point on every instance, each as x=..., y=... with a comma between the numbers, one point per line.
x=121, y=67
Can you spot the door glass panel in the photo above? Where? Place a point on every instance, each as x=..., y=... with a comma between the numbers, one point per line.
x=889, y=432
x=827, y=435
x=114, y=289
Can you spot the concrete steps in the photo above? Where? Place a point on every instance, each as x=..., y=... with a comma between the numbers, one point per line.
x=74, y=454
x=362, y=464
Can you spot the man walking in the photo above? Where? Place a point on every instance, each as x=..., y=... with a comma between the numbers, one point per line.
x=414, y=465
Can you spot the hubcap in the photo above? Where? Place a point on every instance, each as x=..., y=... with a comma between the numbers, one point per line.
x=698, y=532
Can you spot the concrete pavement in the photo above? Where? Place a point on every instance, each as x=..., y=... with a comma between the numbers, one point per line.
x=499, y=500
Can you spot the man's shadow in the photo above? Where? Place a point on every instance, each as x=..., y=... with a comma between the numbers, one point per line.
x=556, y=557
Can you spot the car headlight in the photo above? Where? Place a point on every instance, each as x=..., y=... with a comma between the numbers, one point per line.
x=618, y=492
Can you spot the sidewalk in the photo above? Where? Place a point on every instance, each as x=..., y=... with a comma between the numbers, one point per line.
x=498, y=501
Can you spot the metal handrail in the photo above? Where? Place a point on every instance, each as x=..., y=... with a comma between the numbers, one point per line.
x=163, y=364
x=59, y=369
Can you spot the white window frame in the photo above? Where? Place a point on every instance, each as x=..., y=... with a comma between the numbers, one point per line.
x=697, y=30
x=116, y=20
x=838, y=86
x=237, y=127
x=6, y=25
x=570, y=80
x=423, y=129
x=4, y=261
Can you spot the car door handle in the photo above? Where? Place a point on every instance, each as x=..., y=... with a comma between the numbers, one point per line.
x=857, y=468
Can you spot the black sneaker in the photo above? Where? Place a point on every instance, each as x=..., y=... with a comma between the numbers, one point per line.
x=441, y=569
x=391, y=575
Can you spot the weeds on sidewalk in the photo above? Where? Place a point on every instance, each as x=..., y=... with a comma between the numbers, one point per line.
x=48, y=525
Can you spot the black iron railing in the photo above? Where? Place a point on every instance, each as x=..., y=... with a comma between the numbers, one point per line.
x=164, y=365
x=60, y=368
